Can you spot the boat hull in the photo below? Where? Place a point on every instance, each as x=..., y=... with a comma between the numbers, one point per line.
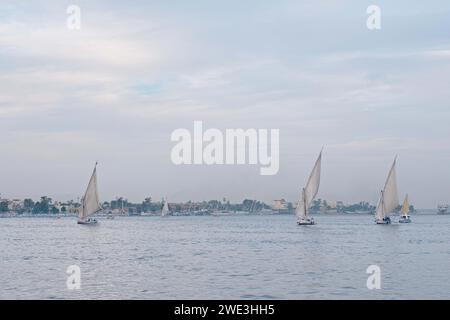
x=306, y=222
x=404, y=220
x=88, y=222
x=384, y=221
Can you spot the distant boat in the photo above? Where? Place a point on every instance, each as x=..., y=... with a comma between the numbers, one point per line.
x=389, y=198
x=443, y=209
x=220, y=213
x=265, y=211
x=90, y=203
x=252, y=208
x=359, y=212
x=405, y=212
x=165, y=209
x=309, y=192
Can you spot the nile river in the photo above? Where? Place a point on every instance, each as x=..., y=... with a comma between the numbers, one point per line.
x=233, y=257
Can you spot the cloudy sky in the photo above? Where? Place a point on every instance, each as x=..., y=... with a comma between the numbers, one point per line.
x=137, y=70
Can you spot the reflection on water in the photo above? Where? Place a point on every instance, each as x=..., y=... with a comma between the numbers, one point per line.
x=246, y=257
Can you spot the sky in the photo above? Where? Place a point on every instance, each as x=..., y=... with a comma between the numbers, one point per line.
x=116, y=89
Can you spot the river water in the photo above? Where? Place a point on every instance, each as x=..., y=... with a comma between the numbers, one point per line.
x=230, y=257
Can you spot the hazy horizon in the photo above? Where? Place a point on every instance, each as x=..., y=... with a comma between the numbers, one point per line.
x=114, y=91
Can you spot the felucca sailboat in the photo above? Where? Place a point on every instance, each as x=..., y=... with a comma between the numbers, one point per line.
x=389, y=198
x=309, y=192
x=90, y=203
x=165, y=209
x=405, y=212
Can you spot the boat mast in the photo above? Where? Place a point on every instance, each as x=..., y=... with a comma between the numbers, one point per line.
x=406, y=207
x=304, y=203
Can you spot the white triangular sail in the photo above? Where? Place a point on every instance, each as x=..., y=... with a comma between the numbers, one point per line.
x=379, y=213
x=310, y=191
x=405, y=207
x=389, y=196
x=90, y=203
x=165, y=208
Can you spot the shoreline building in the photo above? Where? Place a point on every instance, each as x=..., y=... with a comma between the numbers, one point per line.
x=281, y=206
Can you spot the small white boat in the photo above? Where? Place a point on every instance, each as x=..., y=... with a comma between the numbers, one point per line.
x=389, y=198
x=90, y=203
x=88, y=221
x=443, y=209
x=165, y=209
x=221, y=213
x=309, y=192
x=405, y=218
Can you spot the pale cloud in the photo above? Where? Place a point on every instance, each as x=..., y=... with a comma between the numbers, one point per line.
x=438, y=53
x=90, y=46
x=115, y=90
